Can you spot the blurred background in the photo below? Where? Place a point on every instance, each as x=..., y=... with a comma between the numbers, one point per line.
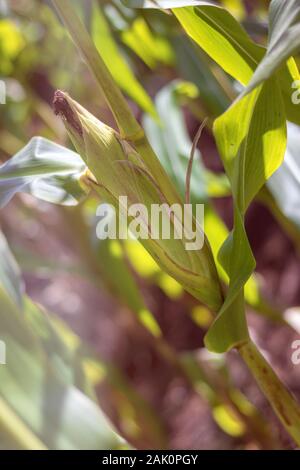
x=115, y=329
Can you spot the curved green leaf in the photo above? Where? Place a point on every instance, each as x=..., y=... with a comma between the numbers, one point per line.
x=284, y=40
x=117, y=65
x=172, y=145
x=46, y=170
x=150, y=47
x=31, y=385
x=42, y=383
x=220, y=35
x=251, y=137
x=193, y=65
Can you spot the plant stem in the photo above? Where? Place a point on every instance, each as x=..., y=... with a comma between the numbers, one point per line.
x=281, y=400
x=129, y=127
x=115, y=100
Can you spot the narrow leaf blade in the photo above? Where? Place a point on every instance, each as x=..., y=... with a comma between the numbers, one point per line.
x=46, y=170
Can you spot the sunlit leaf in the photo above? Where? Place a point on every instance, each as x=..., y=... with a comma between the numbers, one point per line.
x=57, y=358
x=11, y=44
x=172, y=144
x=228, y=421
x=109, y=253
x=284, y=39
x=251, y=139
x=43, y=376
x=117, y=65
x=236, y=7
x=220, y=35
x=31, y=386
x=193, y=66
x=46, y=170
x=152, y=49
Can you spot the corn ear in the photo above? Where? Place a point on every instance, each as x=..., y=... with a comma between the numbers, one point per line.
x=117, y=170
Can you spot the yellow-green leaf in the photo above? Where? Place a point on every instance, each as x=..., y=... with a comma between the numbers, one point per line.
x=284, y=39
x=151, y=48
x=115, y=62
x=251, y=137
x=220, y=35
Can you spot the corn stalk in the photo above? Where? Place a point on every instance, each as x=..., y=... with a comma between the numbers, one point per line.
x=93, y=141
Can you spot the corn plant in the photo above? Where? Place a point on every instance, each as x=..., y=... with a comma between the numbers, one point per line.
x=251, y=137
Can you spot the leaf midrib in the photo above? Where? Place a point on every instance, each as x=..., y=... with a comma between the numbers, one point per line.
x=229, y=37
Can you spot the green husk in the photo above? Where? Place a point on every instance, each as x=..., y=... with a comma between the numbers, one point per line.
x=118, y=170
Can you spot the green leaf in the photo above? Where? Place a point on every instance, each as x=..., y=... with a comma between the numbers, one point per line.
x=124, y=117
x=220, y=35
x=39, y=351
x=46, y=170
x=289, y=80
x=110, y=254
x=252, y=140
x=284, y=40
x=31, y=387
x=151, y=48
x=46, y=372
x=251, y=137
x=11, y=44
x=114, y=61
x=172, y=145
x=43, y=376
x=194, y=66
x=29, y=172
x=101, y=146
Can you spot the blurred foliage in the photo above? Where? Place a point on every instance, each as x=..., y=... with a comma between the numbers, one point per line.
x=48, y=386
